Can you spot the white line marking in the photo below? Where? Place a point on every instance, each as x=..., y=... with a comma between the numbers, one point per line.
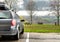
x=27, y=40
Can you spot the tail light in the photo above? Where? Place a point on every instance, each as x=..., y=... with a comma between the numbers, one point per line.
x=13, y=22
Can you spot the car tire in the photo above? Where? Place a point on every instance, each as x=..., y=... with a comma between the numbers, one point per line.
x=22, y=31
x=22, y=34
x=17, y=36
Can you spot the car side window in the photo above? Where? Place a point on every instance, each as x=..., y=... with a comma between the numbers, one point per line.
x=16, y=16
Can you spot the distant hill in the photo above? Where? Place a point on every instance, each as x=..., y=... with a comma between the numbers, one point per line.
x=44, y=19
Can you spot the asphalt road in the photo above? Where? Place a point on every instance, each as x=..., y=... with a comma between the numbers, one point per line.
x=35, y=37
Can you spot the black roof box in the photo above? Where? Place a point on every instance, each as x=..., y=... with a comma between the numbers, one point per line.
x=2, y=2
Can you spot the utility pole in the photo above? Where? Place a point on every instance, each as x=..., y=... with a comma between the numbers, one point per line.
x=58, y=13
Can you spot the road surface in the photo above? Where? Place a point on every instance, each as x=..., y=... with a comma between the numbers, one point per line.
x=36, y=37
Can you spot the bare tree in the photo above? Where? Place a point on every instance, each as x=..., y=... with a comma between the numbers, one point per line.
x=31, y=7
x=11, y=3
x=55, y=5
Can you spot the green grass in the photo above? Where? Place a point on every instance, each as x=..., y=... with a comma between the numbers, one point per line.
x=42, y=28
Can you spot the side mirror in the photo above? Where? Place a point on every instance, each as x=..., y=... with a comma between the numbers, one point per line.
x=22, y=20
x=12, y=10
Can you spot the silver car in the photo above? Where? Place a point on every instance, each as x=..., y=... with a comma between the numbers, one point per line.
x=10, y=24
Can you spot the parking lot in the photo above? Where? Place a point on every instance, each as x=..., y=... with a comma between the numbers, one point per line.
x=36, y=37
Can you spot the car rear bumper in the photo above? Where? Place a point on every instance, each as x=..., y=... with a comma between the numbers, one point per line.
x=11, y=32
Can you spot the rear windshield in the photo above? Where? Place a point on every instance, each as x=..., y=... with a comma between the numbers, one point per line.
x=5, y=15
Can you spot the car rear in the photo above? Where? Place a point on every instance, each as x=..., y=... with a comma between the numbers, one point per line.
x=7, y=23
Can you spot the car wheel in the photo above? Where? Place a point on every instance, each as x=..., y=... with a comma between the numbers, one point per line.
x=22, y=31
x=22, y=34
x=17, y=36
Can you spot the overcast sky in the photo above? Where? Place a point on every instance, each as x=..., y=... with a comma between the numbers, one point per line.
x=1, y=0
x=20, y=2
x=25, y=13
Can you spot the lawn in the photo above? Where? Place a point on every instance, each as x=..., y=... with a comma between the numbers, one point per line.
x=42, y=28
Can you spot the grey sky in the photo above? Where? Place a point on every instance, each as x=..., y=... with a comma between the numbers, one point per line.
x=1, y=0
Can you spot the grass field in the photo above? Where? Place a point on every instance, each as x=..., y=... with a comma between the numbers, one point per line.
x=42, y=28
